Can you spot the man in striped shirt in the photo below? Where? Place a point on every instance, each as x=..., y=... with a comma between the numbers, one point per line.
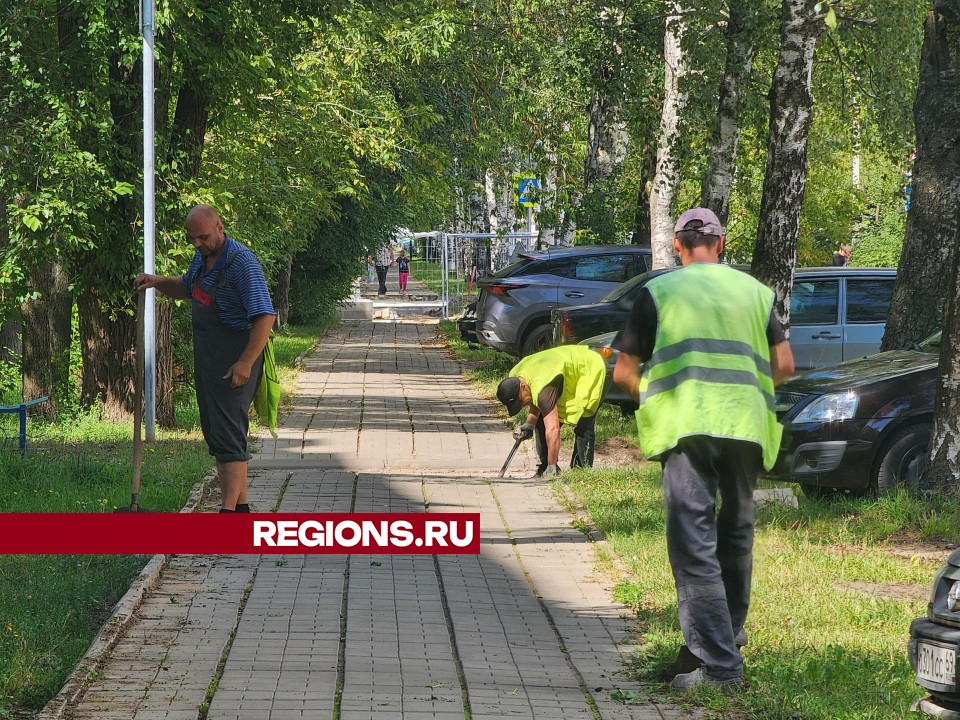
x=232, y=318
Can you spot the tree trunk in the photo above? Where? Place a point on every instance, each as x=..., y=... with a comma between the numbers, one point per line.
x=791, y=104
x=107, y=344
x=46, y=337
x=921, y=289
x=607, y=140
x=282, y=299
x=166, y=415
x=190, y=119
x=741, y=49
x=932, y=212
x=642, y=229
x=11, y=346
x=667, y=178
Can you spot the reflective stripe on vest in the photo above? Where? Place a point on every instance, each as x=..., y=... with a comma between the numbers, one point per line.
x=709, y=373
x=584, y=375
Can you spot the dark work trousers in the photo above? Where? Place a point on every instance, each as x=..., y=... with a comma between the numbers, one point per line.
x=224, y=410
x=711, y=553
x=583, y=444
x=382, y=277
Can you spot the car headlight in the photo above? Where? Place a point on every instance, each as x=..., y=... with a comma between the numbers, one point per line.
x=830, y=408
x=953, y=598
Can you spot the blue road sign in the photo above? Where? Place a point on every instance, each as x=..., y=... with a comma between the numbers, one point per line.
x=527, y=189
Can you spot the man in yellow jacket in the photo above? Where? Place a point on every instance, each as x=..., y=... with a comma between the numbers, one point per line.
x=712, y=350
x=559, y=385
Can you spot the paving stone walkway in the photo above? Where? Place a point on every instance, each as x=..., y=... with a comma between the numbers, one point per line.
x=383, y=421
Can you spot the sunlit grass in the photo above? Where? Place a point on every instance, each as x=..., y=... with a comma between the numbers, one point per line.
x=831, y=606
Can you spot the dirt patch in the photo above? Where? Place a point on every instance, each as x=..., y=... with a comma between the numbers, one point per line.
x=617, y=452
x=888, y=591
x=908, y=546
x=912, y=549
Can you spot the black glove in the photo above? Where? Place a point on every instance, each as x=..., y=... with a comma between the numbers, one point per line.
x=551, y=470
x=524, y=432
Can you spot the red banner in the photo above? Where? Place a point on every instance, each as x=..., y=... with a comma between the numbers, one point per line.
x=239, y=534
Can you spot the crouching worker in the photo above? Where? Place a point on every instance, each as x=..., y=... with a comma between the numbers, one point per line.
x=559, y=385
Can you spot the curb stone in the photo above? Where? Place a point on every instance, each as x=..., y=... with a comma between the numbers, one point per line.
x=121, y=616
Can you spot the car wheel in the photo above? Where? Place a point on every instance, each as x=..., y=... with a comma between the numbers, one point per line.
x=540, y=338
x=628, y=412
x=903, y=458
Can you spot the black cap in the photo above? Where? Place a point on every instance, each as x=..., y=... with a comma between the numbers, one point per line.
x=508, y=392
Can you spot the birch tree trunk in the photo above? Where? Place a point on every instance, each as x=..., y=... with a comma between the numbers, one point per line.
x=933, y=216
x=923, y=281
x=607, y=140
x=741, y=50
x=791, y=104
x=667, y=178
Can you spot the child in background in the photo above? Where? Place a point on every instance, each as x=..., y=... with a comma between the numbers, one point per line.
x=371, y=276
x=403, y=267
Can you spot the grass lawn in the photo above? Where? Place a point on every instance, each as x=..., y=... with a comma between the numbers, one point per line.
x=51, y=606
x=832, y=598
x=835, y=585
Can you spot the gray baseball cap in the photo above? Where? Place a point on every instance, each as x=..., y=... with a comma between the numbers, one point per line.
x=711, y=224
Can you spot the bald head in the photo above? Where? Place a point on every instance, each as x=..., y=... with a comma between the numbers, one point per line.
x=202, y=211
x=205, y=230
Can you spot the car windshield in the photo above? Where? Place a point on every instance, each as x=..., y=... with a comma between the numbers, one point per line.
x=931, y=344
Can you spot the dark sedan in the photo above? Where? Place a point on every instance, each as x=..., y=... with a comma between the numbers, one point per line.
x=576, y=323
x=935, y=641
x=863, y=424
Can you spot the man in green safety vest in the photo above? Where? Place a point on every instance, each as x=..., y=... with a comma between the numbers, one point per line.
x=559, y=385
x=712, y=350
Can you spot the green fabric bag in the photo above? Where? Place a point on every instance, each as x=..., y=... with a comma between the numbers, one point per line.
x=267, y=400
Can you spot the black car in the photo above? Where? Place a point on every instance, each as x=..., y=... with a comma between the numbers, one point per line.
x=861, y=425
x=935, y=642
x=579, y=322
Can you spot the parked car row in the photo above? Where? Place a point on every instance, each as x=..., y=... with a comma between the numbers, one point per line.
x=853, y=422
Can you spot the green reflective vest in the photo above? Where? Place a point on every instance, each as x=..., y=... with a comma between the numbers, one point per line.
x=709, y=373
x=584, y=374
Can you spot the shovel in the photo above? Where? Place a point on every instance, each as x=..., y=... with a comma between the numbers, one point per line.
x=137, y=414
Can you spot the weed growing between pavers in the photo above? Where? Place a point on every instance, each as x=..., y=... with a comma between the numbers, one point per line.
x=821, y=647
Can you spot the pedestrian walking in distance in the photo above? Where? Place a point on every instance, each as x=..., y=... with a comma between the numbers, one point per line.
x=232, y=319
x=403, y=270
x=385, y=259
x=712, y=350
x=842, y=256
x=559, y=385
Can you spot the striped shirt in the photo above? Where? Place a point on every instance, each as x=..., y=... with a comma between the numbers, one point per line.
x=244, y=294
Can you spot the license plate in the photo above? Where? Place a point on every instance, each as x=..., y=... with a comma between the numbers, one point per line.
x=936, y=664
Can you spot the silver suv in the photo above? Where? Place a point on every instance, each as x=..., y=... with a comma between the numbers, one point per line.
x=513, y=312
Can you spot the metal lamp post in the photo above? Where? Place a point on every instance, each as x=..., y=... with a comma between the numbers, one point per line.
x=147, y=16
